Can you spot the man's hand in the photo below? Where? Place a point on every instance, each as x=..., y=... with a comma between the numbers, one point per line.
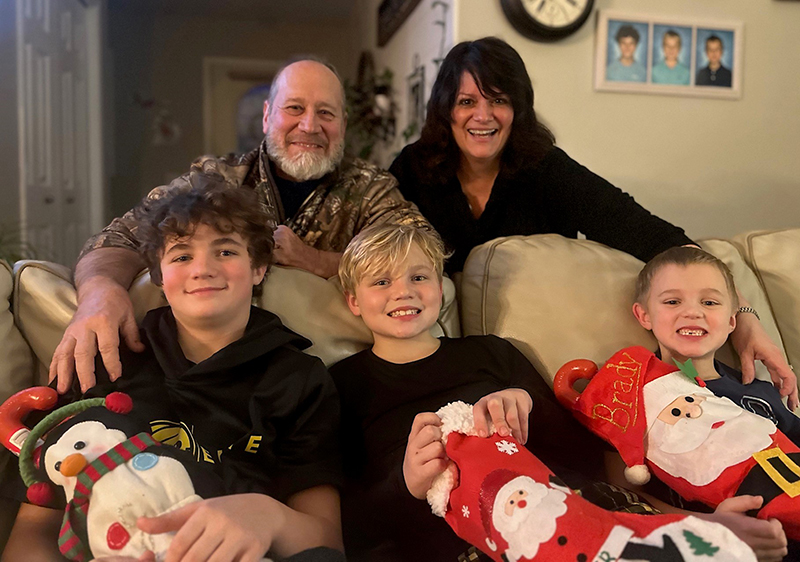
x=508, y=410
x=753, y=343
x=241, y=527
x=291, y=251
x=766, y=538
x=425, y=456
x=104, y=310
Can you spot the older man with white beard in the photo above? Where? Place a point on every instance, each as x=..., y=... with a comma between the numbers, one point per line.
x=317, y=201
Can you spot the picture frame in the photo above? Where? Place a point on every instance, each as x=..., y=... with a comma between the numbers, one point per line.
x=643, y=53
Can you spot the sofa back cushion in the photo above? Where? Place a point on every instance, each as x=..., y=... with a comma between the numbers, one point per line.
x=559, y=299
x=775, y=257
x=313, y=307
x=16, y=359
x=750, y=287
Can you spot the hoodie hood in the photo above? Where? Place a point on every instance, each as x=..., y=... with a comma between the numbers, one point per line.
x=265, y=334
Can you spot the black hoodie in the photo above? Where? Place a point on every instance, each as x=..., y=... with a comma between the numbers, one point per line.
x=261, y=411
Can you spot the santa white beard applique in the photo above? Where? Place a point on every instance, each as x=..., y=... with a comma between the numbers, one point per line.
x=498, y=496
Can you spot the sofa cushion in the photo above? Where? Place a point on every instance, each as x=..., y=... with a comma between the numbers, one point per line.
x=775, y=257
x=16, y=359
x=555, y=298
x=559, y=299
x=750, y=288
x=313, y=307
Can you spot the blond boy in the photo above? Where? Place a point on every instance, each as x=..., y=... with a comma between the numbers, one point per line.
x=392, y=277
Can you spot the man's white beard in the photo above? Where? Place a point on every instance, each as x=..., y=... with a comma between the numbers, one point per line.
x=691, y=449
x=306, y=165
x=531, y=526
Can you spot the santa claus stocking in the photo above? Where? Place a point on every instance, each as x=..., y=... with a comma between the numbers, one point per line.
x=499, y=497
x=705, y=447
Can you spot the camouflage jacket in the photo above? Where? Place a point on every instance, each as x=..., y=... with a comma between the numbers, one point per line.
x=354, y=196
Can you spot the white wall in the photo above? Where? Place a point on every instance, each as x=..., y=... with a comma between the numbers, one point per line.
x=419, y=35
x=715, y=167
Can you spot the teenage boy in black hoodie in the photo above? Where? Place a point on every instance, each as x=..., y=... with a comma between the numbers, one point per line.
x=230, y=383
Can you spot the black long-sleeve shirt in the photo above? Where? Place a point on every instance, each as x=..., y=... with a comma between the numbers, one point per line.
x=556, y=195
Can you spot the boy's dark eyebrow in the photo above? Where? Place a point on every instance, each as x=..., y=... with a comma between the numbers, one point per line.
x=179, y=246
x=225, y=241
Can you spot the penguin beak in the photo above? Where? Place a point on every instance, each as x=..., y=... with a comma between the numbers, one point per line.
x=72, y=465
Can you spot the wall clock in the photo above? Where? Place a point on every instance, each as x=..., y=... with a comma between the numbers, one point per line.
x=547, y=20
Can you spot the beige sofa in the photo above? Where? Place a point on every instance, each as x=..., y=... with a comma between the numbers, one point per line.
x=556, y=299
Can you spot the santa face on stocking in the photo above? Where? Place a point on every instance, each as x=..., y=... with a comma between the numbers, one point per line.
x=524, y=512
x=697, y=436
x=498, y=496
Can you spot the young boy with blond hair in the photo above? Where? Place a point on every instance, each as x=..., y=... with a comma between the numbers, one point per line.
x=228, y=382
x=688, y=299
x=392, y=277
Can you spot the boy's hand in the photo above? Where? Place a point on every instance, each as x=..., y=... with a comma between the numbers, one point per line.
x=752, y=343
x=425, y=455
x=508, y=410
x=241, y=527
x=146, y=557
x=766, y=538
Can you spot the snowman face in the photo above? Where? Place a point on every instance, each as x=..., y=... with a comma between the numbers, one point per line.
x=89, y=439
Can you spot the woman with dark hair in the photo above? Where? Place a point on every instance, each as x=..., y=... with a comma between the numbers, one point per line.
x=485, y=167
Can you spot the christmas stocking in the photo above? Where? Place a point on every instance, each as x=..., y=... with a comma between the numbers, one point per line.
x=665, y=421
x=499, y=497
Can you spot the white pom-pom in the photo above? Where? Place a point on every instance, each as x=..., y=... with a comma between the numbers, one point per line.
x=457, y=416
x=638, y=474
x=439, y=494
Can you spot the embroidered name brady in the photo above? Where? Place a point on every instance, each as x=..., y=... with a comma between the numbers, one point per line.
x=623, y=410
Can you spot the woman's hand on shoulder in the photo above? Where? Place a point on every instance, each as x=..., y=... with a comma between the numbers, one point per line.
x=425, y=455
x=508, y=410
x=752, y=343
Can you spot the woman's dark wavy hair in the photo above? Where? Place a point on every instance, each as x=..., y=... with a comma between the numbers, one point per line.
x=207, y=199
x=497, y=69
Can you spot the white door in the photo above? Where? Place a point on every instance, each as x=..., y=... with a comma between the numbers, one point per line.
x=54, y=112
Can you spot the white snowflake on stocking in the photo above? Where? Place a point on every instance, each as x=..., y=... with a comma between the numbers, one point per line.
x=506, y=447
x=465, y=511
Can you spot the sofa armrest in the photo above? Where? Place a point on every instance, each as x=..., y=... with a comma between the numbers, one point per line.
x=16, y=357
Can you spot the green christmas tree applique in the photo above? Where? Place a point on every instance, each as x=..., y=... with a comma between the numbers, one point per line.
x=697, y=544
